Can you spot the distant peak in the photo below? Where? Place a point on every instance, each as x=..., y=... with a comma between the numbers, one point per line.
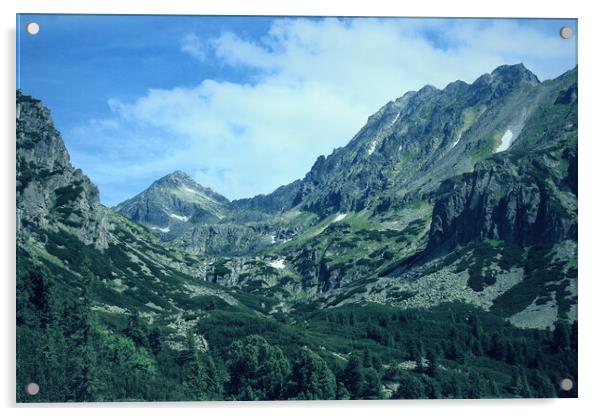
x=176, y=179
x=182, y=180
x=516, y=72
x=427, y=89
x=178, y=174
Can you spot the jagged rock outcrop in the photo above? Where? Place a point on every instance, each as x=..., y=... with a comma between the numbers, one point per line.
x=224, y=239
x=498, y=202
x=526, y=195
x=50, y=190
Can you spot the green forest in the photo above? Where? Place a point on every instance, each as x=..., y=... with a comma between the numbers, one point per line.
x=368, y=351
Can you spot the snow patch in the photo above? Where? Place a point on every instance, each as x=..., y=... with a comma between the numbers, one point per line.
x=506, y=142
x=457, y=141
x=395, y=119
x=372, y=147
x=339, y=217
x=277, y=264
x=163, y=230
x=153, y=306
x=273, y=239
x=179, y=217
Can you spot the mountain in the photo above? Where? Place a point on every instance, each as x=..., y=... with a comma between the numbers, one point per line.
x=174, y=202
x=412, y=143
x=435, y=179
x=401, y=155
x=63, y=230
x=437, y=249
x=175, y=207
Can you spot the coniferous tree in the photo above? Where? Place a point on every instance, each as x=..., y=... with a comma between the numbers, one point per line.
x=342, y=392
x=432, y=388
x=136, y=330
x=543, y=386
x=353, y=377
x=432, y=363
x=516, y=382
x=494, y=391
x=475, y=326
x=476, y=386
x=410, y=387
x=311, y=378
x=458, y=387
x=574, y=342
x=155, y=340
x=497, y=347
x=562, y=337
x=372, y=388
x=254, y=363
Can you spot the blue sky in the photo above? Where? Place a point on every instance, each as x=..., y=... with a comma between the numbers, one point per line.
x=245, y=104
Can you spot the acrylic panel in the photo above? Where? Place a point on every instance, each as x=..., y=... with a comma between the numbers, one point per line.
x=217, y=208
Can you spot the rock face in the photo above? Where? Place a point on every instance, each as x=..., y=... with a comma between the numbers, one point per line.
x=173, y=204
x=527, y=195
x=497, y=202
x=49, y=189
x=224, y=239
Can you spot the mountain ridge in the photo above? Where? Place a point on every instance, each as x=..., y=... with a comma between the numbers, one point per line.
x=498, y=79
x=409, y=146
x=499, y=83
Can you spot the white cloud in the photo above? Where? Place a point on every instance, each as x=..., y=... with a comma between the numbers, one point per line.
x=192, y=45
x=315, y=83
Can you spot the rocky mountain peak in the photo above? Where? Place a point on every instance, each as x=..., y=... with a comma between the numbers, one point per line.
x=177, y=176
x=173, y=204
x=181, y=180
x=526, y=194
x=517, y=72
x=37, y=138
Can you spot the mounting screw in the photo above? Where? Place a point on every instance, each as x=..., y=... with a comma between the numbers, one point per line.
x=32, y=389
x=566, y=32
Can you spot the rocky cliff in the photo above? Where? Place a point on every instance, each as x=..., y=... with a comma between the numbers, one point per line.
x=526, y=195
x=50, y=190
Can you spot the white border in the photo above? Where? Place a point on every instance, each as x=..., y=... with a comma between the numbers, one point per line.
x=590, y=201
